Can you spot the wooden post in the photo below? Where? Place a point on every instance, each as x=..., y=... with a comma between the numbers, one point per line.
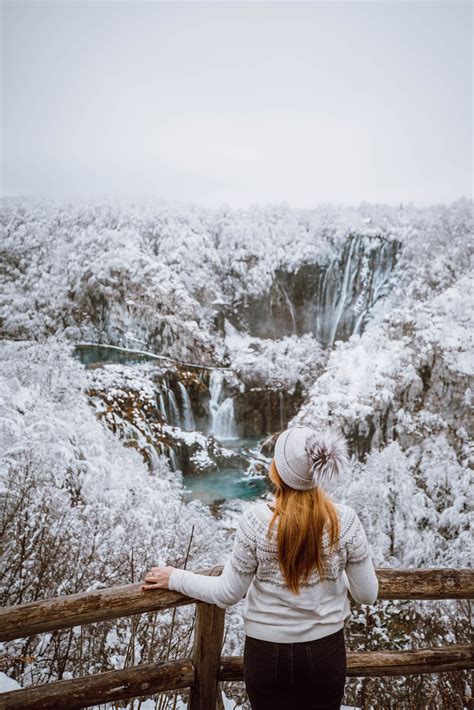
x=208, y=638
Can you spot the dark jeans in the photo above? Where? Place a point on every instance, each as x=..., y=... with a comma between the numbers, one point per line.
x=308, y=675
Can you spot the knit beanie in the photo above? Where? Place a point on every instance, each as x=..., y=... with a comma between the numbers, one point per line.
x=304, y=457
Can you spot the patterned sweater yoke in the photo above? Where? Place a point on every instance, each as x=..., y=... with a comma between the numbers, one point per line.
x=252, y=545
x=271, y=610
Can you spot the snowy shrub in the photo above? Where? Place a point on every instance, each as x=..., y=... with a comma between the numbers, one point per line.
x=78, y=512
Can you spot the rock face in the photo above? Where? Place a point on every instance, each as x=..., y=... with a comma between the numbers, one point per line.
x=434, y=401
x=264, y=411
x=330, y=301
x=195, y=417
x=407, y=378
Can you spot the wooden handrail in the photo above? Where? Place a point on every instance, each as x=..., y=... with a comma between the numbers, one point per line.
x=202, y=672
x=102, y=688
x=382, y=663
x=84, y=608
x=436, y=583
x=104, y=604
x=168, y=675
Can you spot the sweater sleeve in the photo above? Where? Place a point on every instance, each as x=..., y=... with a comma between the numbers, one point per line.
x=362, y=579
x=229, y=587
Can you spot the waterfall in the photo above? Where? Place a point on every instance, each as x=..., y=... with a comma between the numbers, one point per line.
x=188, y=423
x=324, y=305
x=174, y=410
x=131, y=432
x=282, y=409
x=223, y=424
x=154, y=458
x=163, y=406
x=172, y=457
x=291, y=308
x=358, y=323
x=215, y=389
x=345, y=293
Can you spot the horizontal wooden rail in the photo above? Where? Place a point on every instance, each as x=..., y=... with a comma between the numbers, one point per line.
x=444, y=583
x=105, y=687
x=423, y=584
x=84, y=608
x=104, y=604
x=383, y=663
x=158, y=677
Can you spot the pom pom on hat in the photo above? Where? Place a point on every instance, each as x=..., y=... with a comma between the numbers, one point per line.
x=304, y=457
x=327, y=452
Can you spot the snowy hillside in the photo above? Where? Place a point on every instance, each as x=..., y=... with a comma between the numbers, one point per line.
x=269, y=317
x=165, y=276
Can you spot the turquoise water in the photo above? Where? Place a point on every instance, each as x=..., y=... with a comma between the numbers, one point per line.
x=95, y=354
x=230, y=482
x=226, y=483
x=223, y=485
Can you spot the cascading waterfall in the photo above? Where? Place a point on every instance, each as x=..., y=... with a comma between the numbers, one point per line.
x=174, y=409
x=215, y=389
x=163, y=406
x=188, y=417
x=345, y=294
x=344, y=299
x=154, y=458
x=172, y=457
x=223, y=424
x=131, y=432
x=224, y=427
x=358, y=322
x=291, y=308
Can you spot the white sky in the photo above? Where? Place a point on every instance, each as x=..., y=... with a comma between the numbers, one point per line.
x=238, y=102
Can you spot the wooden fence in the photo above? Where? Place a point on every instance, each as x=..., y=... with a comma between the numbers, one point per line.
x=202, y=671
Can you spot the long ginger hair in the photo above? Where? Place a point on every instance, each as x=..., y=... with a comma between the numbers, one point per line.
x=303, y=516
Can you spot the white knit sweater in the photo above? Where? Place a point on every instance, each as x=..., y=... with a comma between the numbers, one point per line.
x=271, y=611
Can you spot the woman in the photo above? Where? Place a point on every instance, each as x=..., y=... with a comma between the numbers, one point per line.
x=295, y=576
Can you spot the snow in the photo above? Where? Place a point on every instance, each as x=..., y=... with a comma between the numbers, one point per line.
x=168, y=279
x=126, y=271
x=7, y=684
x=275, y=363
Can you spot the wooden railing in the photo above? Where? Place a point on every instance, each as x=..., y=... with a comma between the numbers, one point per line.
x=202, y=671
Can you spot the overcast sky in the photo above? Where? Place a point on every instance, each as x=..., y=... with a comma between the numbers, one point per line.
x=238, y=102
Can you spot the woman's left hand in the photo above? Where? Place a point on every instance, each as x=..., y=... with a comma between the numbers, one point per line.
x=157, y=578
